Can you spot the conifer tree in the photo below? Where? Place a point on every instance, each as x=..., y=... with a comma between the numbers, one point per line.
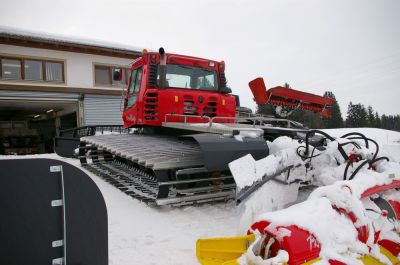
x=377, y=120
x=371, y=117
x=336, y=120
x=357, y=116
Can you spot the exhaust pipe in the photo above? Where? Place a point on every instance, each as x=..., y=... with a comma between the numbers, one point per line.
x=162, y=68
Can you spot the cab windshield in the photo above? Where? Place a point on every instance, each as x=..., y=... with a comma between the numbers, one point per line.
x=189, y=77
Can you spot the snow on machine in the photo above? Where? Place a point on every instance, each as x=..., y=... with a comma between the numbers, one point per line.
x=352, y=219
x=186, y=133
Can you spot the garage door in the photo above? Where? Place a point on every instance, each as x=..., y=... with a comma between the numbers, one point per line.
x=102, y=110
x=30, y=120
x=20, y=95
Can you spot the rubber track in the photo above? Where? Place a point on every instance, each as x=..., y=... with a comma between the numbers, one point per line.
x=136, y=184
x=128, y=163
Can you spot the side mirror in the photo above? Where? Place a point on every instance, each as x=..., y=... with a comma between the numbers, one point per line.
x=117, y=74
x=226, y=90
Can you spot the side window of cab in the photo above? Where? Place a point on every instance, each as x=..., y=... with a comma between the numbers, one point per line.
x=134, y=86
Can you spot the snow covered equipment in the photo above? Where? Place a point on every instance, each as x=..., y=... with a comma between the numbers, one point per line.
x=51, y=213
x=355, y=220
x=296, y=236
x=286, y=99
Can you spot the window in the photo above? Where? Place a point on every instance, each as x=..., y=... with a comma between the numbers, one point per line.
x=103, y=75
x=11, y=69
x=134, y=86
x=31, y=69
x=54, y=71
x=182, y=76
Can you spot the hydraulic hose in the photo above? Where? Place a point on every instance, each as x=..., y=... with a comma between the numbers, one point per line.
x=312, y=132
x=350, y=136
x=359, y=134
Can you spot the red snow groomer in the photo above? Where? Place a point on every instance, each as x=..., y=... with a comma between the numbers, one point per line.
x=285, y=100
x=185, y=132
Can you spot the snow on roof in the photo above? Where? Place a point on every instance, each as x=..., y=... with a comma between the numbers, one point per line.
x=53, y=38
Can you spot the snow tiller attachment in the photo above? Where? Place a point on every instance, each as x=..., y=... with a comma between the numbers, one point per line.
x=337, y=225
x=286, y=100
x=353, y=219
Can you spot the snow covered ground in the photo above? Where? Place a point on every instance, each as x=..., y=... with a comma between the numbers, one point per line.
x=139, y=234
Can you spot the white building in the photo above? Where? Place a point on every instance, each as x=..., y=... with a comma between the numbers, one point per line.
x=51, y=83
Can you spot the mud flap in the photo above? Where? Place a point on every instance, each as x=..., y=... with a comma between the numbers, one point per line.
x=218, y=251
x=220, y=150
x=65, y=146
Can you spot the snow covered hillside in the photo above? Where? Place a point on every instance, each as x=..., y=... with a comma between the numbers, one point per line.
x=139, y=234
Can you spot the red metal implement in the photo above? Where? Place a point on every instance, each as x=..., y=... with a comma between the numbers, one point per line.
x=288, y=97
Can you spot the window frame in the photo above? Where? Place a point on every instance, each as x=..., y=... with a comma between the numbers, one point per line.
x=22, y=60
x=133, y=80
x=216, y=87
x=21, y=75
x=62, y=71
x=110, y=67
x=42, y=69
x=103, y=67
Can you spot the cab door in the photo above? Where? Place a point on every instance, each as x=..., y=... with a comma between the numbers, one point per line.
x=131, y=108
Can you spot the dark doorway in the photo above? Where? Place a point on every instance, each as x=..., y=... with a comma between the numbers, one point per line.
x=29, y=126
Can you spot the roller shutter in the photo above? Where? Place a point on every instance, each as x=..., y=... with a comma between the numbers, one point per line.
x=102, y=110
x=28, y=95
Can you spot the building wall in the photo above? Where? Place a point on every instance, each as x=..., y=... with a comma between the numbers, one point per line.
x=79, y=67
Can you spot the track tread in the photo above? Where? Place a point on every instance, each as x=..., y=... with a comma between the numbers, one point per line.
x=125, y=161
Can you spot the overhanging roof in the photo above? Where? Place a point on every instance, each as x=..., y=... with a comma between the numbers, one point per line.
x=18, y=37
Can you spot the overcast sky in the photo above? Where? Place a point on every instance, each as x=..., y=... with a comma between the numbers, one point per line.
x=351, y=48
